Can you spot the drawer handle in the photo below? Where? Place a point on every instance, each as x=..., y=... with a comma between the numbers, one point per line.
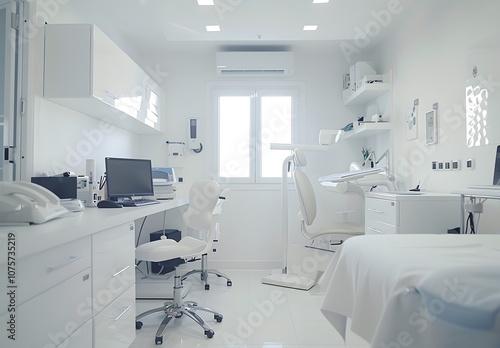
x=375, y=211
x=123, y=270
x=374, y=230
x=125, y=311
x=69, y=261
x=112, y=95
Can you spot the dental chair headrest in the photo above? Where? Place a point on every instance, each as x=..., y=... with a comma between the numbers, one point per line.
x=300, y=158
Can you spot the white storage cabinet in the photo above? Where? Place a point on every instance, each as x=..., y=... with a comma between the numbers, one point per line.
x=391, y=213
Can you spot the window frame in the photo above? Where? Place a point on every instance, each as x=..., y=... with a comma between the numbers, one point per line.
x=255, y=92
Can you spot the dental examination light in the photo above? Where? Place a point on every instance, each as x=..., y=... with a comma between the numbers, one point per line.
x=282, y=277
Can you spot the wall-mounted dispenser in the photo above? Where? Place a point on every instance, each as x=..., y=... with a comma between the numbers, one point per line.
x=193, y=135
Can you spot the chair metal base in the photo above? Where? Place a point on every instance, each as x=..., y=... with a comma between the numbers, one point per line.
x=204, y=272
x=177, y=309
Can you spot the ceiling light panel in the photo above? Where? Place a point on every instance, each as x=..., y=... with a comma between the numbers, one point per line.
x=310, y=27
x=208, y=2
x=321, y=1
x=212, y=28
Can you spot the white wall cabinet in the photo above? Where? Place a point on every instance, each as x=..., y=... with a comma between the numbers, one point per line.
x=87, y=72
x=393, y=213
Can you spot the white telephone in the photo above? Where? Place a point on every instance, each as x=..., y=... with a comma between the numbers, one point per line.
x=25, y=202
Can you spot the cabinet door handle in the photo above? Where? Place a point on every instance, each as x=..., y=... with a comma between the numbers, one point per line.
x=112, y=95
x=125, y=311
x=375, y=230
x=69, y=261
x=375, y=211
x=123, y=270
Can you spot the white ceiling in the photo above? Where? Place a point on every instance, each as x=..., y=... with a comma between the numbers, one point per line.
x=155, y=25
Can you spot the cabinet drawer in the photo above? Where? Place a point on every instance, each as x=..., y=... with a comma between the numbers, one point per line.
x=115, y=325
x=377, y=227
x=51, y=317
x=81, y=338
x=383, y=210
x=48, y=268
x=113, y=263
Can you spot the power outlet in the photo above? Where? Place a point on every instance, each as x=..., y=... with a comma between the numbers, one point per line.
x=470, y=163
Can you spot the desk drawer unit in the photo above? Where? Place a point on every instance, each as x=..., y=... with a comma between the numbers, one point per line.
x=115, y=325
x=411, y=213
x=53, y=316
x=377, y=227
x=113, y=263
x=382, y=210
x=51, y=267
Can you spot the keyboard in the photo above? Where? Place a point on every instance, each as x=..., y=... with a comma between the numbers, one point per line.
x=139, y=202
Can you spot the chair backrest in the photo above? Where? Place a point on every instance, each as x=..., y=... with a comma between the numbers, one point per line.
x=217, y=211
x=203, y=198
x=307, y=199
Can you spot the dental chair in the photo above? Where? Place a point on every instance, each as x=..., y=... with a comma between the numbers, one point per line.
x=213, y=236
x=203, y=198
x=308, y=209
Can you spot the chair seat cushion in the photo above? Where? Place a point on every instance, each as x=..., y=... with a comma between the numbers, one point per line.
x=166, y=249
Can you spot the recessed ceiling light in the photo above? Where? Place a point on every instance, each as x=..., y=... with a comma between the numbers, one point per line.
x=209, y=2
x=310, y=27
x=320, y=1
x=212, y=28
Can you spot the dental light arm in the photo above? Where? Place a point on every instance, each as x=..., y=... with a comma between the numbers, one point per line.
x=387, y=156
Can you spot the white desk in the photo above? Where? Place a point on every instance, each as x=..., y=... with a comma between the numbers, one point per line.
x=473, y=193
x=73, y=279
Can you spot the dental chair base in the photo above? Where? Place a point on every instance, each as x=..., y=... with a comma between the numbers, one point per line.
x=288, y=281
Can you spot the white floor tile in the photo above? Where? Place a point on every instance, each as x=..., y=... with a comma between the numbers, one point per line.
x=255, y=315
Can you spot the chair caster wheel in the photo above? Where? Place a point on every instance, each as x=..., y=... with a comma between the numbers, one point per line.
x=218, y=317
x=138, y=325
x=207, y=286
x=209, y=333
x=159, y=340
x=229, y=283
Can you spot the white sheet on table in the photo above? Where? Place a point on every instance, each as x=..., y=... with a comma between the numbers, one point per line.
x=368, y=272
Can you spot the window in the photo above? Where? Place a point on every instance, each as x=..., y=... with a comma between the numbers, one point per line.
x=247, y=122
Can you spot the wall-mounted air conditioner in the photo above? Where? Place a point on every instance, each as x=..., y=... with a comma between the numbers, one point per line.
x=254, y=64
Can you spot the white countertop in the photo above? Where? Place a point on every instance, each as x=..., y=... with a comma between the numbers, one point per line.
x=35, y=238
x=492, y=193
x=412, y=195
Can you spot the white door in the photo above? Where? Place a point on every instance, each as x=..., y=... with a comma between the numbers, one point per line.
x=9, y=88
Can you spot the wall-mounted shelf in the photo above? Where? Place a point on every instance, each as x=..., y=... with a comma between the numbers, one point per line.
x=366, y=130
x=367, y=93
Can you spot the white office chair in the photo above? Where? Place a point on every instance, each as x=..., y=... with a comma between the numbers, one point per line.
x=211, y=237
x=203, y=198
x=308, y=210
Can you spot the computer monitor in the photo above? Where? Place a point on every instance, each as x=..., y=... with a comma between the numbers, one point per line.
x=128, y=177
x=496, y=174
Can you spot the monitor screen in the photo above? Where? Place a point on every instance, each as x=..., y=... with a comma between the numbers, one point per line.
x=128, y=177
